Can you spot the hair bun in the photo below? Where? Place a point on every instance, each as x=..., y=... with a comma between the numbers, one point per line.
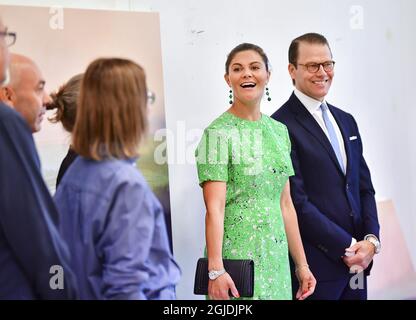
x=53, y=104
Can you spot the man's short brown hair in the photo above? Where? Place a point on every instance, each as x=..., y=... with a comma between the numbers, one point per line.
x=311, y=38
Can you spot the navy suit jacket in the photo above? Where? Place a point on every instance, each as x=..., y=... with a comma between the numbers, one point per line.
x=331, y=207
x=29, y=240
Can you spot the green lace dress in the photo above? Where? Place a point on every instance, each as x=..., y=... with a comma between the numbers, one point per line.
x=253, y=158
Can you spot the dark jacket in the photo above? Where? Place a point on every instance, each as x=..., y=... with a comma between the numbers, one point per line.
x=29, y=241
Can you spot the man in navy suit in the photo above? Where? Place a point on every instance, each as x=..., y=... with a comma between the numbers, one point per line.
x=332, y=189
x=34, y=260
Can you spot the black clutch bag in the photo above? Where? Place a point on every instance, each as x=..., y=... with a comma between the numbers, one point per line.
x=241, y=271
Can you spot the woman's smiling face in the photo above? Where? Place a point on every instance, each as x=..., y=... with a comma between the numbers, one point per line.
x=247, y=76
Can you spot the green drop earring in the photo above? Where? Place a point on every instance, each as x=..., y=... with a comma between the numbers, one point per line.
x=231, y=96
x=268, y=94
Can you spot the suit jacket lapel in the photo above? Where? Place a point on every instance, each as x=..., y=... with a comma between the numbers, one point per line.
x=307, y=121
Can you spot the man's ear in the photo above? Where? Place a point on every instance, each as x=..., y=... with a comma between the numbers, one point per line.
x=292, y=70
x=8, y=96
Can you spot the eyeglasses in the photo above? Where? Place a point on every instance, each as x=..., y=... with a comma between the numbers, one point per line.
x=151, y=97
x=9, y=37
x=314, y=67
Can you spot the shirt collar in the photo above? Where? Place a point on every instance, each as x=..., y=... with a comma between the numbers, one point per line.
x=310, y=104
x=132, y=160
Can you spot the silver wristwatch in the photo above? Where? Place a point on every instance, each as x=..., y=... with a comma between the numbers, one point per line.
x=373, y=239
x=214, y=274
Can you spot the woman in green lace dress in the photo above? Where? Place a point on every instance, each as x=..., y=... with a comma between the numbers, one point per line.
x=244, y=164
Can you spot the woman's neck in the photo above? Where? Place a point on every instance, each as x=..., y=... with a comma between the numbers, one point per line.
x=247, y=112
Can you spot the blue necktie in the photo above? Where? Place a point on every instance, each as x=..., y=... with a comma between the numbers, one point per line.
x=332, y=135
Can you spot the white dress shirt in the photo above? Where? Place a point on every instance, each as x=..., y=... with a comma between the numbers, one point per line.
x=314, y=108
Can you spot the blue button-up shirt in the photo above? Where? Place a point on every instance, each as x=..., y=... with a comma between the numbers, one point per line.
x=116, y=232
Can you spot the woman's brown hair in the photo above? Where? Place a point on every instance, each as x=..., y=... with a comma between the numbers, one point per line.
x=65, y=101
x=111, y=117
x=246, y=47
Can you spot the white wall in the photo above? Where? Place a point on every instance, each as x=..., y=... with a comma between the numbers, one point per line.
x=374, y=81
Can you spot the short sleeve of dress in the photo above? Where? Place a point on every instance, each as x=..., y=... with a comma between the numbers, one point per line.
x=212, y=156
x=287, y=158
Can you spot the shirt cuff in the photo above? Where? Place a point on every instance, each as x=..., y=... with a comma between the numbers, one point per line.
x=347, y=253
x=371, y=235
